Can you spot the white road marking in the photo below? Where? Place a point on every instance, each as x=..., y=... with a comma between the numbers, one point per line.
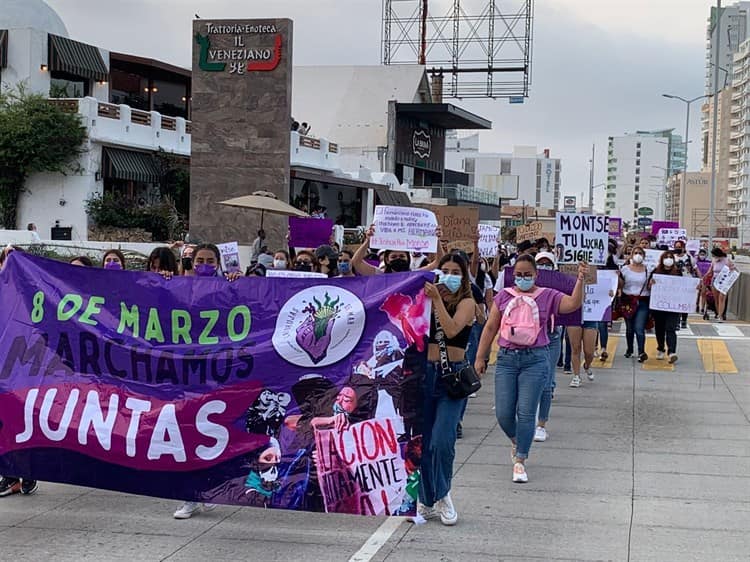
x=377, y=540
x=728, y=330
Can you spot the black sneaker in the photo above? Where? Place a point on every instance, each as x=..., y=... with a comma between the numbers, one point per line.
x=9, y=486
x=29, y=487
x=460, y=431
x=643, y=357
x=628, y=354
x=683, y=324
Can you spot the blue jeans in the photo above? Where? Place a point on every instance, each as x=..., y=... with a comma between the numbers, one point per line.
x=545, y=403
x=520, y=377
x=636, y=326
x=603, y=334
x=441, y=416
x=471, y=352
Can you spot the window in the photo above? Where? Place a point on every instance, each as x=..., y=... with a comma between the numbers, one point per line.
x=64, y=85
x=505, y=166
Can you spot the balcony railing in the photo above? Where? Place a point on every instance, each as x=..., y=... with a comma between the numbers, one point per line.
x=464, y=193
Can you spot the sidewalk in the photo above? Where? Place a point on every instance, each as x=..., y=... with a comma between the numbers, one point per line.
x=640, y=465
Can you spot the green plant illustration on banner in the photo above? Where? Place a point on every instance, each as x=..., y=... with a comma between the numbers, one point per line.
x=203, y=63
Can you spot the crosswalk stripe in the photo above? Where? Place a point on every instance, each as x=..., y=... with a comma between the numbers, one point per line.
x=727, y=330
x=716, y=357
x=653, y=364
x=611, y=351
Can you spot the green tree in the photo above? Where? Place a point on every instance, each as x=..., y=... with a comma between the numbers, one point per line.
x=35, y=136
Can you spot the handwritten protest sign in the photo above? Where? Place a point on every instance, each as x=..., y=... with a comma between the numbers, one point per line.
x=656, y=226
x=598, y=297
x=488, y=240
x=404, y=228
x=308, y=232
x=572, y=269
x=290, y=273
x=668, y=236
x=582, y=238
x=725, y=279
x=652, y=259
x=360, y=468
x=459, y=224
x=673, y=293
x=530, y=231
x=230, y=257
x=615, y=227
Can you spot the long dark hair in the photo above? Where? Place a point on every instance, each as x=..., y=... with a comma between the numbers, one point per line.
x=167, y=260
x=116, y=252
x=464, y=292
x=661, y=270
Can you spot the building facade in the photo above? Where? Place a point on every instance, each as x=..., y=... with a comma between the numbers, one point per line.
x=737, y=194
x=727, y=36
x=638, y=166
x=688, y=197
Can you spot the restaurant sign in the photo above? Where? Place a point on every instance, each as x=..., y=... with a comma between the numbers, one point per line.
x=239, y=48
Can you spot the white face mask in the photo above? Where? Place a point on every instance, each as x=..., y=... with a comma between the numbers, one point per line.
x=637, y=258
x=279, y=264
x=668, y=262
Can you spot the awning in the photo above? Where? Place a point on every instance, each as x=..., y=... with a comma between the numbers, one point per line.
x=393, y=198
x=130, y=166
x=303, y=174
x=79, y=59
x=443, y=115
x=3, y=48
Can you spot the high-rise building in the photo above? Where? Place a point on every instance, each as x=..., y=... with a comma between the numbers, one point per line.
x=728, y=35
x=638, y=165
x=738, y=186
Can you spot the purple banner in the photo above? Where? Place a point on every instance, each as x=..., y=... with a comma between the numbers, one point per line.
x=199, y=389
x=615, y=227
x=309, y=233
x=553, y=280
x=656, y=226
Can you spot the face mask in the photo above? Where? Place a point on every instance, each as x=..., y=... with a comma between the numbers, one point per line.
x=337, y=409
x=398, y=265
x=114, y=265
x=279, y=264
x=345, y=267
x=638, y=258
x=524, y=284
x=483, y=267
x=205, y=270
x=653, y=244
x=452, y=282
x=668, y=262
x=270, y=475
x=302, y=267
x=546, y=267
x=678, y=251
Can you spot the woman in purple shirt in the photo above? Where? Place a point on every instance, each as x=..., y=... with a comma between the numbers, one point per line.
x=521, y=371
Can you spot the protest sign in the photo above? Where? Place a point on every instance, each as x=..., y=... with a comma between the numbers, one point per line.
x=674, y=293
x=656, y=226
x=582, y=238
x=551, y=280
x=572, y=269
x=615, y=227
x=652, y=258
x=725, y=279
x=530, y=231
x=202, y=390
x=404, y=228
x=290, y=273
x=488, y=240
x=459, y=224
x=309, y=232
x=230, y=257
x=598, y=297
x=668, y=236
x=693, y=247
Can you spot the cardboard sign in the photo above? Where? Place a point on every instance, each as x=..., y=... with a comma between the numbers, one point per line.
x=582, y=238
x=673, y=293
x=598, y=296
x=488, y=240
x=725, y=279
x=572, y=269
x=615, y=227
x=309, y=233
x=230, y=257
x=459, y=224
x=405, y=228
x=668, y=236
x=530, y=231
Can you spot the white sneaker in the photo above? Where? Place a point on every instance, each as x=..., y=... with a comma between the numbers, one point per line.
x=589, y=373
x=575, y=382
x=448, y=514
x=660, y=355
x=540, y=435
x=425, y=512
x=187, y=510
x=209, y=506
x=519, y=473
x=673, y=358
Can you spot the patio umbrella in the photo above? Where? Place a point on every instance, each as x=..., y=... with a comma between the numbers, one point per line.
x=265, y=202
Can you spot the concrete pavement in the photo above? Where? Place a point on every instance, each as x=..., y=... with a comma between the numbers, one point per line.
x=645, y=463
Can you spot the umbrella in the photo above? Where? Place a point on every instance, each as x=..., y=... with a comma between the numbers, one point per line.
x=265, y=202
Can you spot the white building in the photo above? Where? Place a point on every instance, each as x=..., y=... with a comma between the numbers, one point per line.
x=538, y=175
x=638, y=166
x=727, y=36
x=738, y=185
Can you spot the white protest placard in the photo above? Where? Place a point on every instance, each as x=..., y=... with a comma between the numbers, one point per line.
x=725, y=279
x=488, y=240
x=674, y=293
x=230, y=257
x=668, y=236
x=652, y=259
x=693, y=247
x=598, y=297
x=292, y=273
x=404, y=228
x=582, y=238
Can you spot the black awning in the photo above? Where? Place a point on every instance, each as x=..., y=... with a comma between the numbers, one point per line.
x=443, y=115
x=74, y=57
x=393, y=198
x=303, y=174
x=129, y=165
x=3, y=48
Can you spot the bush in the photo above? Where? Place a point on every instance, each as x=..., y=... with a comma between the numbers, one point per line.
x=162, y=219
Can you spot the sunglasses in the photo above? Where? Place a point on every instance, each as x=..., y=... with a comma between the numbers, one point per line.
x=303, y=262
x=524, y=275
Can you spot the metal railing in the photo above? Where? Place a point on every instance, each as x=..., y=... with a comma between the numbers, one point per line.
x=464, y=193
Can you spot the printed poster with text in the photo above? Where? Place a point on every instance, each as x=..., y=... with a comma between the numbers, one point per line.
x=287, y=393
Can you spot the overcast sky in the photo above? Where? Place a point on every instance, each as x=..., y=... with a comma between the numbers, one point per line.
x=600, y=66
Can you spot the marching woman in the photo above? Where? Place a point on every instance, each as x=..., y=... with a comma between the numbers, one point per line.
x=395, y=261
x=720, y=260
x=521, y=316
x=666, y=323
x=634, y=291
x=113, y=259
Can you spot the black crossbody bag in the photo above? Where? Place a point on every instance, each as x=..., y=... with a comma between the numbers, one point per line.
x=458, y=384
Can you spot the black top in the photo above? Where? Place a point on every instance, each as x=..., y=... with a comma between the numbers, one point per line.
x=460, y=340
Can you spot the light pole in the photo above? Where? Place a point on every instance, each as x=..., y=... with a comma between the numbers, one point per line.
x=715, y=124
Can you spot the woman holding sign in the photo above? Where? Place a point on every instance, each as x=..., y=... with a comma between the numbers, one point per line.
x=720, y=260
x=634, y=297
x=521, y=315
x=666, y=323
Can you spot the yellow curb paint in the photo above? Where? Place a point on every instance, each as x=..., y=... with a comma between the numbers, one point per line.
x=611, y=351
x=654, y=364
x=716, y=357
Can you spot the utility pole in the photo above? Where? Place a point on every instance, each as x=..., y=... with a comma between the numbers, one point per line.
x=715, y=32
x=591, y=179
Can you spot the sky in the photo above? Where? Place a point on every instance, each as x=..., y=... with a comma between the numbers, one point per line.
x=599, y=66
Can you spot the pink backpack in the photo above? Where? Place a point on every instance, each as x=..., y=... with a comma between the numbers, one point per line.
x=520, y=324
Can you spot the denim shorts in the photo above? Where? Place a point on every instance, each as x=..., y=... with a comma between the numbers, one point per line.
x=590, y=325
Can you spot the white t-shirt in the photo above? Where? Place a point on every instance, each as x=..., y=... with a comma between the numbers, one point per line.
x=635, y=282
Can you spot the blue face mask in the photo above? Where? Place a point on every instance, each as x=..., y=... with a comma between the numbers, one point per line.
x=524, y=284
x=452, y=282
x=344, y=267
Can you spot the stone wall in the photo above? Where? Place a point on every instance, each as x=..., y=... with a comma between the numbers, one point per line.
x=114, y=234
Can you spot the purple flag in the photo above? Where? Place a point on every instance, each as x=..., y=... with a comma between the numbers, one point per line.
x=203, y=390
x=656, y=226
x=553, y=280
x=309, y=233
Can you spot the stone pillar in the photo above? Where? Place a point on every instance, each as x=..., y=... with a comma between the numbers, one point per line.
x=241, y=117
